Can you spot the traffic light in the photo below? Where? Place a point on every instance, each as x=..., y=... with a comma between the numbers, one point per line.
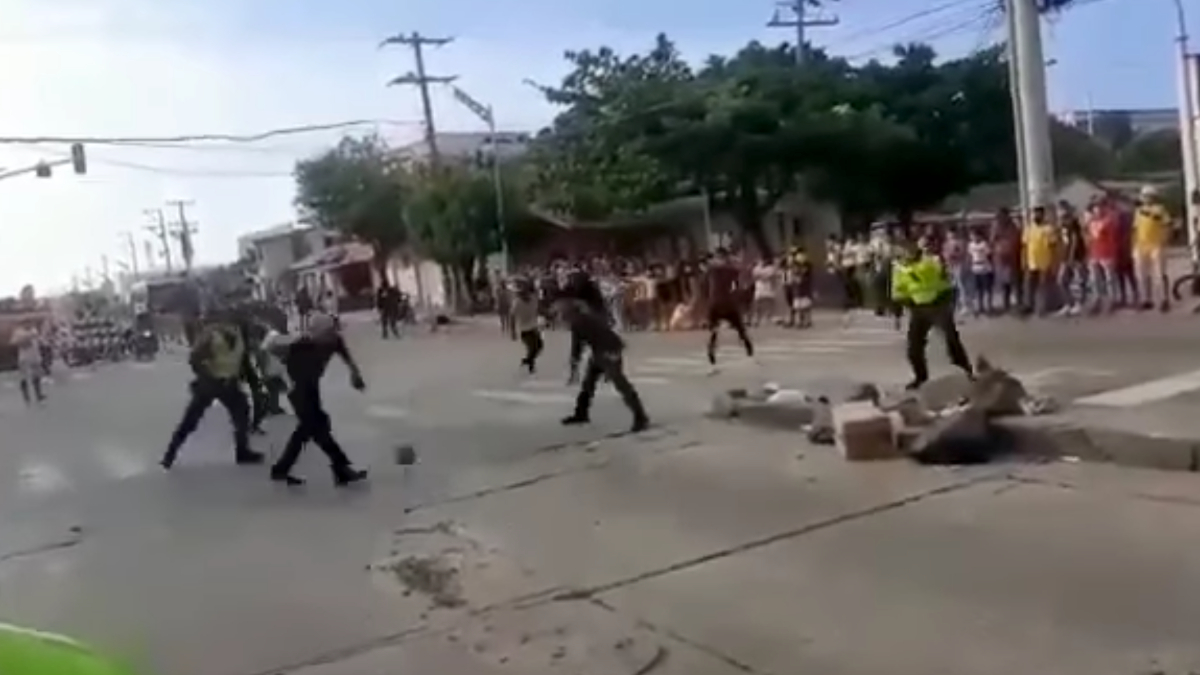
x=42, y=170
x=78, y=158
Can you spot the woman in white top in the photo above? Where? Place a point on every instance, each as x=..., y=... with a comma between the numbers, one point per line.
x=767, y=280
x=983, y=272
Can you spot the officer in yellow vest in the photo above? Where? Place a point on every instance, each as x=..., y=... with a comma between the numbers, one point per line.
x=219, y=360
x=921, y=286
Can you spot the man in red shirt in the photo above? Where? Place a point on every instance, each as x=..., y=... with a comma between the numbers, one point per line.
x=724, y=303
x=1104, y=254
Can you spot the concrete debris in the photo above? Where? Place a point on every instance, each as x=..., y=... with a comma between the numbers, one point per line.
x=962, y=436
x=863, y=432
x=434, y=576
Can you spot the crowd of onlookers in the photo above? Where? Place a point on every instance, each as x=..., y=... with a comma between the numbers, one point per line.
x=1061, y=260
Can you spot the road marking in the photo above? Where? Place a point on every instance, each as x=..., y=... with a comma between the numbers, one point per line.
x=120, y=462
x=142, y=365
x=42, y=478
x=523, y=397
x=386, y=412
x=651, y=369
x=676, y=361
x=1146, y=392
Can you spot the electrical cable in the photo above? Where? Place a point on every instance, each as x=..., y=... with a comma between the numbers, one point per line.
x=201, y=138
x=904, y=20
x=979, y=14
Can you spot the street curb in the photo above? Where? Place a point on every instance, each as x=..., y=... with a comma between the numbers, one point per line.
x=1058, y=437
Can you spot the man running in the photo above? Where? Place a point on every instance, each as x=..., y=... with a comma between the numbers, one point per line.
x=723, y=292
x=306, y=359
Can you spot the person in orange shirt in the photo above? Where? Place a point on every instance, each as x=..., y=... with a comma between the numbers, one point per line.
x=1151, y=234
x=1104, y=251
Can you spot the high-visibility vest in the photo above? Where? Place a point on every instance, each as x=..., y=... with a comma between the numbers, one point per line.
x=921, y=282
x=30, y=652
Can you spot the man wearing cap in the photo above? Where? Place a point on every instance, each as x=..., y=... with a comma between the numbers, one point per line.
x=1151, y=235
x=306, y=359
x=921, y=285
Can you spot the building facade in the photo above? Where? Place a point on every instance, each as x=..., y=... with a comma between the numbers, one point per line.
x=273, y=252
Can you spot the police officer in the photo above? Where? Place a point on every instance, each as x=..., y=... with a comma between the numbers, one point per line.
x=592, y=330
x=921, y=286
x=218, y=360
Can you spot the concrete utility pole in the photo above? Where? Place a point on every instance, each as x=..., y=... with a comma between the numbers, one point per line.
x=183, y=229
x=422, y=80
x=1026, y=40
x=1018, y=127
x=162, y=233
x=1189, y=104
x=800, y=21
x=131, y=244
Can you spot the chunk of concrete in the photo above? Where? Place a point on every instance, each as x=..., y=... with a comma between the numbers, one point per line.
x=962, y=436
x=863, y=432
x=945, y=391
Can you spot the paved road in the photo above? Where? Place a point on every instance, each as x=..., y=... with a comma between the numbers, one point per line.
x=748, y=552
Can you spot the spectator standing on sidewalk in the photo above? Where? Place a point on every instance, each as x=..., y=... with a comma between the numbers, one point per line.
x=1007, y=251
x=1040, y=239
x=1103, y=254
x=1072, y=268
x=982, y=272
x=1151, y=234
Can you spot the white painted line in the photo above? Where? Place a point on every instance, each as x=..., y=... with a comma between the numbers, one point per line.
x=119, y=462
x=1055, y=373
x=676, y=361
x=141, y=365
x=543, y=384
x=41, y=478
x=1146, y=392
x=386, y=412
x=636, y=380
x=524, y=397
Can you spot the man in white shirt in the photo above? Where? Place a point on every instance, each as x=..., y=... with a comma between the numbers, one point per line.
x=766, y=283
x=29, y=362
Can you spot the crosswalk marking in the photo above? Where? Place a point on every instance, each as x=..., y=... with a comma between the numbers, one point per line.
x=43, y=478
x=1146, y=392
x=386, y=412
x=119, y=462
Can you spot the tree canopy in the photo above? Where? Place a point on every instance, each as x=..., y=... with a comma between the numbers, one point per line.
x=357, y=188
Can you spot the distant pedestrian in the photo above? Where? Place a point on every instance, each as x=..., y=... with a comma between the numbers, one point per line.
x=723, y=307
x=387, y=303
x=524, y=324
x=29, y=361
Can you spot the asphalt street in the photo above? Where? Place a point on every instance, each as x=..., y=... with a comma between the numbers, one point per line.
x=212, y=570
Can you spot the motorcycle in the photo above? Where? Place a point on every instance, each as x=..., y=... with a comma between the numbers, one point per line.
x=145, y=345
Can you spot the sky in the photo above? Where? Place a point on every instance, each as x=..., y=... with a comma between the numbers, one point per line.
x=104, y=68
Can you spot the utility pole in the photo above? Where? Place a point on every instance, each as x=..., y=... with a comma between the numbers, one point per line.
x=1189, y=105
x=422, y=80
x=1026, y=39
x=183, y=230
x=1014, y=92
x=131, y=244
x=487, y=114
x=160, y=232
x=800, y=21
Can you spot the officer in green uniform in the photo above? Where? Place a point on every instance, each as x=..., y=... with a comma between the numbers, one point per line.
x=921, y=286
x=29, y=652
x=219, y=361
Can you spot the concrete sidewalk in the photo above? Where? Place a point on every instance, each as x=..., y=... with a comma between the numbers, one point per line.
x=728, y=551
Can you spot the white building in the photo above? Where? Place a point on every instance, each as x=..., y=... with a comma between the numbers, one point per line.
x=275, y=250
x=469, y=145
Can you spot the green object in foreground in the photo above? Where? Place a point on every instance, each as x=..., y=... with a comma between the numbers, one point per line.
x=30, y=652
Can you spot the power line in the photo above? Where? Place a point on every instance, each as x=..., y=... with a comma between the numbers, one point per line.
x=904, y=20
x=800, y=22
x=981, y=14
x=198, y=138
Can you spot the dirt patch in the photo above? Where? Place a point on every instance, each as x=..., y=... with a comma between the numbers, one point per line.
x=434, y=576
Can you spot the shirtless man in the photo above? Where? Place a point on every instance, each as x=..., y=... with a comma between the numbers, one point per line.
x=723, y=306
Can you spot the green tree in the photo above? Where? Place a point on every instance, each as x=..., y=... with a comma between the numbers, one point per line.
x=357, y=188
x=453, y=218
x=1152, y=152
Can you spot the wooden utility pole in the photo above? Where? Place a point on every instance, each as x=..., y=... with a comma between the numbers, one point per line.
x=183, y=229
x=422, y=80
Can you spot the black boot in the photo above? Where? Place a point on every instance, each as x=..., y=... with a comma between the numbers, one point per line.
x=640, y=424
x=287, y=479
x=575, y=420
x=249, y=457
x=348, y=476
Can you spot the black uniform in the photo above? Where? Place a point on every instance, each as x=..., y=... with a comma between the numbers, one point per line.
x=593, y=331
x=306, y=360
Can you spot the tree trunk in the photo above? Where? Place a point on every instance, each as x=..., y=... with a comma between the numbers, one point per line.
x=465, y=271
x=748, y=213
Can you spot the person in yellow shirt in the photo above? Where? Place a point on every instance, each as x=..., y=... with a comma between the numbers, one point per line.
x=1151, y=234
x=922, y=287
x=1039, y=239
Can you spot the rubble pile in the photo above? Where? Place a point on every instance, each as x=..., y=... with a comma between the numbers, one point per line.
x=949, y=420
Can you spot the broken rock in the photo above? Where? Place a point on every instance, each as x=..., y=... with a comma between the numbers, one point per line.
x=995, y=391
x=945, y=391
x=962, y=436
